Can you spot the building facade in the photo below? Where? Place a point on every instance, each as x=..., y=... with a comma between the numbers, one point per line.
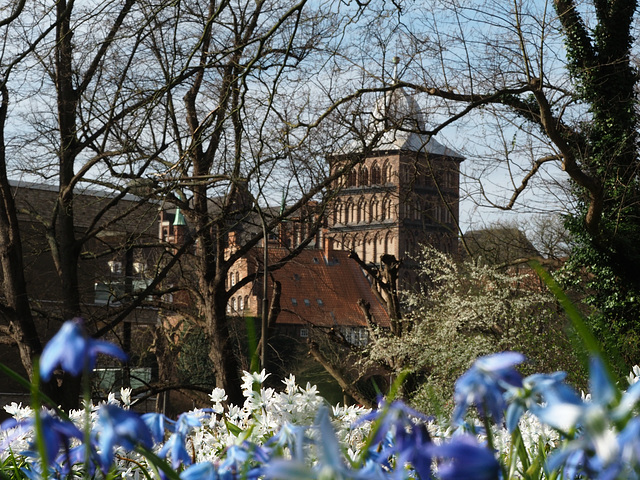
x=404, y=192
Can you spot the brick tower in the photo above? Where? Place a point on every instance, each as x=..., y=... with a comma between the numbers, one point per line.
x=403, y=193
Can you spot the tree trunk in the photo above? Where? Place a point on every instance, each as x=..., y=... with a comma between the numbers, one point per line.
x=222, y=352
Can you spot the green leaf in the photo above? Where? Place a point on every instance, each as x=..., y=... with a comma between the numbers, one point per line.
x=233, y=429
x=158, y=463
x=585, y=334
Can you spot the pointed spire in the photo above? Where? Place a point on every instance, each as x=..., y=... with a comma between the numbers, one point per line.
x=179, y=218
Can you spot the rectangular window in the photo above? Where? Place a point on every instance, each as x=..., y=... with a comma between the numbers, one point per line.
x=304, y=332
x=294, y=301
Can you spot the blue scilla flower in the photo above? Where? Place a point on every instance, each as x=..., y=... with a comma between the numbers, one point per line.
x=200, y=471
x=484, y=384
x=291, y=437
x=239, y=460
x=595, y=449
x=330, y=463
x=463, y=458
x=177, y=440
x=117, y=426
x=401, y=432
x=564, y=410
x=158, y=424
x=73, y=350
x=537, y=391
x=57, y=434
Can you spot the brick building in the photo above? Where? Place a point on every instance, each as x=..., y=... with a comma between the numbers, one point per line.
x=404, y=193
x=116, y=260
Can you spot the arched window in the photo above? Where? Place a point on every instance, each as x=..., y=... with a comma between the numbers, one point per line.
x=362, y=210
x=246, y=302
x=240, y=303
x=386, y=173
x=337, y=206
x=233, y=304
x=417, y=210
x=364, y=249
x=375, y=174
x=352, y=179
x=383, y=213
x=347, y=211
x=374, y=249
x=363, y=177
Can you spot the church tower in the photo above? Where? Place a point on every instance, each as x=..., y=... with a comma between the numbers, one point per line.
x=403, y=193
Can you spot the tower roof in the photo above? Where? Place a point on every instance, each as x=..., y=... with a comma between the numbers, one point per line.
x=396, y=118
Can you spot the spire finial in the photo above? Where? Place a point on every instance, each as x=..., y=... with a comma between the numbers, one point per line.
x=395, y=61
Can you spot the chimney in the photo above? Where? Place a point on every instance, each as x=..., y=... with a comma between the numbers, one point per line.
x=327, y=245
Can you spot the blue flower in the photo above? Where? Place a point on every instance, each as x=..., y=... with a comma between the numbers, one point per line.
x=594, y=449
x=537, y=390
x=176, y=442
x=408, y=440
x=330, y=464
x=200, y=471
x=246, y=461
x=57, y=434
x=73, y=350
x=119, y=427
x=292, y=437
x=465, y=459
x=485, y=383
x=157, y=423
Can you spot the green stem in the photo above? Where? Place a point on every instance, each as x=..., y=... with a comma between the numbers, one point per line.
x=86, y=395
x=36, y=406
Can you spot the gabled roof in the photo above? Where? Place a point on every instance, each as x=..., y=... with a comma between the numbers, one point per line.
x=323, y=292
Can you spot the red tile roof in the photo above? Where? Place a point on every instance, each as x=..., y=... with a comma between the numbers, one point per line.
x=323, y=292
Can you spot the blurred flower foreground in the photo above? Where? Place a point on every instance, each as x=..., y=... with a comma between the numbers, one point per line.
x=503, y=426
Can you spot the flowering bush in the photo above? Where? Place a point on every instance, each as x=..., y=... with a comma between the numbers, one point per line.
x=504, y=426
x=461, y=310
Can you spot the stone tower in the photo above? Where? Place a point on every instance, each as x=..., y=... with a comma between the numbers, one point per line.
x=403, y=193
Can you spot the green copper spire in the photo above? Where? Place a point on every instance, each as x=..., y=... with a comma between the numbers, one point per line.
x=179, y=218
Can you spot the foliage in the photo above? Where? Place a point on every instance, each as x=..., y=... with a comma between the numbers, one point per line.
x=605, y=79
x=464, y=310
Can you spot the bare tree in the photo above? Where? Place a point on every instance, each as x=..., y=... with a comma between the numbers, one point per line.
x=544, y=95
x=80, y=105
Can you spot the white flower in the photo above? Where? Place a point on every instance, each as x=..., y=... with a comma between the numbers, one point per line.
x=634, y=375
x=249, y=379
x=218, y=395
x=125, y=397
x=17, y=411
